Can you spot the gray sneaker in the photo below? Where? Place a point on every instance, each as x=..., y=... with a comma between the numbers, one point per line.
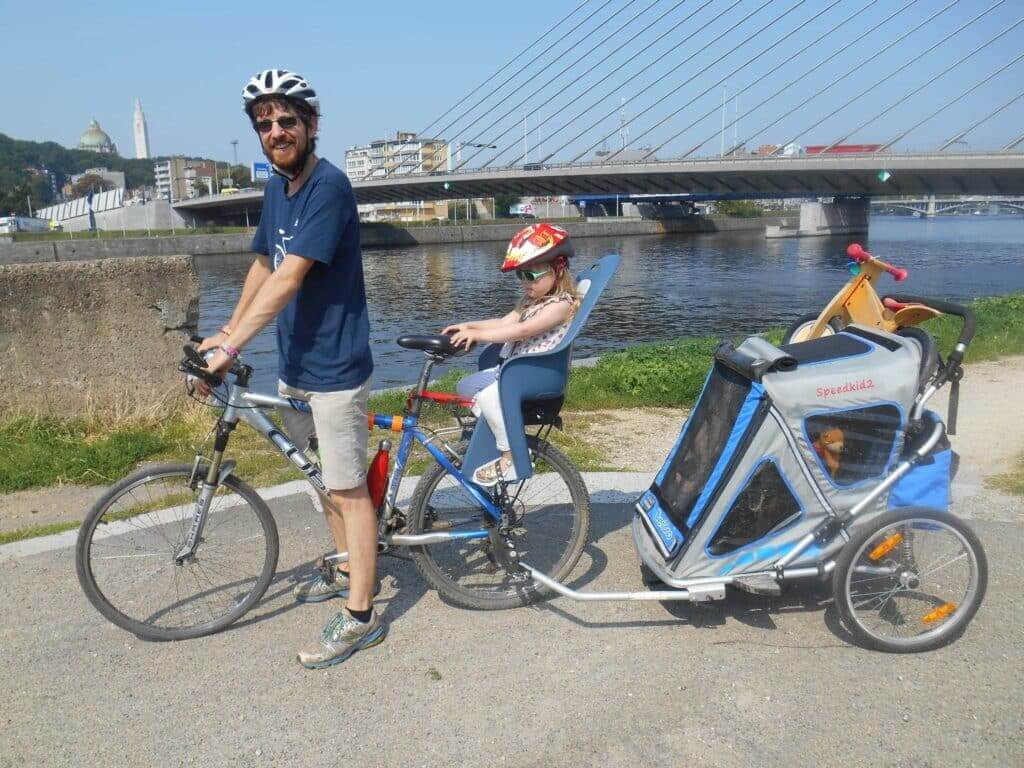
x=318, y=589
x=342, y=636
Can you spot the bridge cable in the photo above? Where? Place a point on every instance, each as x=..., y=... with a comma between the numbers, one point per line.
x=767, y=74
x=951, y=102
x=723, y=79
x=976, y=123
x=656, y=40
x=499, y=70
x=646, y=88
x=920, y=88
x=1013, y=143
x=840, y=50
x=531, y=62
x=578, y=77
x=901, y=68
x=699, y=72
x=836, y=80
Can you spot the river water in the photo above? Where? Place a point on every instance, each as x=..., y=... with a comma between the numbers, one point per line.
x=666, y=287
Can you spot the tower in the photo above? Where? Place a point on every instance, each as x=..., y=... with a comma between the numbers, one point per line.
x=141, y=133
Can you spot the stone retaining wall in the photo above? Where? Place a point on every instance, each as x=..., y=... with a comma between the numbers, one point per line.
x=373, y=236
x=90, y=336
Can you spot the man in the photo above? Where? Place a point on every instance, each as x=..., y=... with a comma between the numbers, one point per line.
x=309, y=275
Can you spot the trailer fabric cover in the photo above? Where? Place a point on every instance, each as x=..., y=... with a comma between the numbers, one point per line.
x=802, y=445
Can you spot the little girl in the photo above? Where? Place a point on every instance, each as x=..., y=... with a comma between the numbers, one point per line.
x=539, y=254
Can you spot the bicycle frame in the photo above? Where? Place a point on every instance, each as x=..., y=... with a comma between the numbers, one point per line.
x=243, y=405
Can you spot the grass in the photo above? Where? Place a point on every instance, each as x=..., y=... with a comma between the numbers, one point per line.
x=1010, y=482
x=44, y=451
x=31, y=532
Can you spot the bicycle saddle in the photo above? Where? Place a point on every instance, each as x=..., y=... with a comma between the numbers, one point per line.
x=435, y=344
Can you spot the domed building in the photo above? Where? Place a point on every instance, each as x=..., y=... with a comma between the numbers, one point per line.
x=95, y=139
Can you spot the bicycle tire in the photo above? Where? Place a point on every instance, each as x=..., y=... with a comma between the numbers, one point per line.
x=804, y=323
x=149, y=631
x=520, y=594
x=949, y=627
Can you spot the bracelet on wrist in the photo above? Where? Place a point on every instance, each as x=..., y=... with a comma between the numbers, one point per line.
x=230, y=351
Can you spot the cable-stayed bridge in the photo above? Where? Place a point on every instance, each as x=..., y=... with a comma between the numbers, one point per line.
x=723, y=97
x=613, y=86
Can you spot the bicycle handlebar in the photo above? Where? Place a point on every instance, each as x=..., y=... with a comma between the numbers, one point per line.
x=194, y=364
x=948, y=308
x=859, y=255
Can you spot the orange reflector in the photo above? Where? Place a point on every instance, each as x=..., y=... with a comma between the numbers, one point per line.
x=885, y=547
x=939, y=613
x=396, y=423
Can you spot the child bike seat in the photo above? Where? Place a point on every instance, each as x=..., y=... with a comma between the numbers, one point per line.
x=532, y=387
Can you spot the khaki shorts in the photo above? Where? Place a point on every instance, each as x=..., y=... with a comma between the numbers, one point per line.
x=339, y=420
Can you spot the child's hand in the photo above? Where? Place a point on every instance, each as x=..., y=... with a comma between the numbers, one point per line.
x=456, y=328
x=465, y=337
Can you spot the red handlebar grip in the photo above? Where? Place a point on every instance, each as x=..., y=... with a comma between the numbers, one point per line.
x=898, y=273
x=857, y=253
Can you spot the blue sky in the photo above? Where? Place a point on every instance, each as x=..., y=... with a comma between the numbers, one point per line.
x=381, y=68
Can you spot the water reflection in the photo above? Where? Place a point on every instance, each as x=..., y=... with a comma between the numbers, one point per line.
x=667, y=287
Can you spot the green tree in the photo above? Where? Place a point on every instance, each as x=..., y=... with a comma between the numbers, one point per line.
x=92, y=182
x=743, y=209
x=502, y=203
x=241, y=176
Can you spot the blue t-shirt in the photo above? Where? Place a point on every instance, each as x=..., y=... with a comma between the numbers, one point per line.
x=323, y=335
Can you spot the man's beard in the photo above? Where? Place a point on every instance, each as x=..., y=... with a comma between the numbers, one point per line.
x=296, y=166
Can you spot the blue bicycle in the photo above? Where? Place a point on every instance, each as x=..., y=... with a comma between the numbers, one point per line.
x=177, y=551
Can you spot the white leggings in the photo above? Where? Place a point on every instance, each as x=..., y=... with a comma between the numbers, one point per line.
x=482, y=386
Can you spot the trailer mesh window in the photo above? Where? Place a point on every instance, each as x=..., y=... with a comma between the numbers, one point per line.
x=764, y=505
x=706, y=436
x=854, y=445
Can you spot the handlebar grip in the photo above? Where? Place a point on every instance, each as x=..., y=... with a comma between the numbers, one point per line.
x=898, y=273
x=856, y=252
x=948, y=308
x=195, y=338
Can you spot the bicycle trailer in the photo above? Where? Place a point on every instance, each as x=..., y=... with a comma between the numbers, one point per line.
x=781, y=440
x=814, y=460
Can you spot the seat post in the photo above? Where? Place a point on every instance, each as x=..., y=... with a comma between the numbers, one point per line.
x=421, y=385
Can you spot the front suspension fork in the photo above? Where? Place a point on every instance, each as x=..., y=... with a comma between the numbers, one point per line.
x=201, y=506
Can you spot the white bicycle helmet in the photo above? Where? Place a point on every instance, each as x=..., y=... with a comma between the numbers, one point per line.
x=278, y=82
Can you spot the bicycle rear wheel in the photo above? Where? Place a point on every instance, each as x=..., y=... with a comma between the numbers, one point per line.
x=125, y=557
x=911, y=581
x=552, y=520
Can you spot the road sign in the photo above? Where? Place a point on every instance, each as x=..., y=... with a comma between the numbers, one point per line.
x=261, y=171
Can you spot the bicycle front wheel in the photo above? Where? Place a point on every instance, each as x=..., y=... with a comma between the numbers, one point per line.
x=911, y=581
x=128, y=543
x=551, y=513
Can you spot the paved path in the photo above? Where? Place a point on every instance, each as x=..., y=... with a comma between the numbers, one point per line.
x=749, y=682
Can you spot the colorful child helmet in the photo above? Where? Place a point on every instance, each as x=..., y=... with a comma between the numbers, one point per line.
x=537, y=244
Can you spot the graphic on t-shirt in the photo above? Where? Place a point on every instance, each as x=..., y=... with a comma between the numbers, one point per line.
x=281, y=249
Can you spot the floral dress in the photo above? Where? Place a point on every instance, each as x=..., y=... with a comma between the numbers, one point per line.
x=543, y=342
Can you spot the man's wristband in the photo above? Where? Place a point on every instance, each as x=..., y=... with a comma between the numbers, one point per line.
x=230, y=351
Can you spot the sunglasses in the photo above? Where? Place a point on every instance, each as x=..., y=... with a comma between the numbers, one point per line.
x=531, y=276
x=286, y=123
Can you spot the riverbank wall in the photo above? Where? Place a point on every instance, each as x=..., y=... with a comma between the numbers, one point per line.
x=372, y=235
x=94, y=337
